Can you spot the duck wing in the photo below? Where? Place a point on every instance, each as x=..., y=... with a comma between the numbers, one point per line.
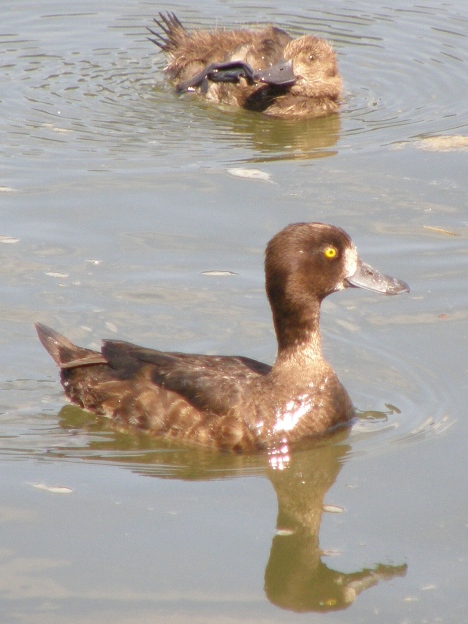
x=212, y=384
x=208, y=382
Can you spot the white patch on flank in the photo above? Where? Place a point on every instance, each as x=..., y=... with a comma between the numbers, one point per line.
x=287, y=419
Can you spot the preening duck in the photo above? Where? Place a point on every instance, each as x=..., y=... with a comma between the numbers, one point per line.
x=260, y=70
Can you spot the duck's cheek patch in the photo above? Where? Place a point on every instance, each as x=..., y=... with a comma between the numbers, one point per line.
x=350, y=261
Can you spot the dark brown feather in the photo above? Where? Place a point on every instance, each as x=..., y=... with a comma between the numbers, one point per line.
x=234, y=402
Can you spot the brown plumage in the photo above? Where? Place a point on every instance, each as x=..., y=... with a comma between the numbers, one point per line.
x=248, y=68
x=234, y=403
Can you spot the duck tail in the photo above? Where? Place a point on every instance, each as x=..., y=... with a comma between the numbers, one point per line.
x=173, y=32
x=64, y=353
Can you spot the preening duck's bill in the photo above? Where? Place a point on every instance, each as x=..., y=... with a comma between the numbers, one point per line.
x=281, y=74
x=370, y=279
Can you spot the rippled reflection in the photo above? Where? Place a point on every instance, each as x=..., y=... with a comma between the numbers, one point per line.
x=297, y=575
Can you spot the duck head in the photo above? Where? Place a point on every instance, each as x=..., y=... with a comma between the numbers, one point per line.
x=309, y=68
x=318, y=259
x=305, y=263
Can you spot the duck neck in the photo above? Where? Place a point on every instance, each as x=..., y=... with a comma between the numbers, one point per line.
x=297, y=331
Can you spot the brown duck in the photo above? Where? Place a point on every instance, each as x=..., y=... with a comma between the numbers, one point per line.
x=259, y=70
x=233, y=402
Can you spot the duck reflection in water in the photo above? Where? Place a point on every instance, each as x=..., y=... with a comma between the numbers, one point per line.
x=296, y=577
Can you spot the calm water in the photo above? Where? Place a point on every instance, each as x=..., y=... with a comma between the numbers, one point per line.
x=116, y=197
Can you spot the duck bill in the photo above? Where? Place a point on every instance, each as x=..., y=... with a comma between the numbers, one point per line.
x=368, y=278
x=281, y=74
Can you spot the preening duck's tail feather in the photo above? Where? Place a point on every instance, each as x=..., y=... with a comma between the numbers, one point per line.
x=173, y=31
x=64, y=353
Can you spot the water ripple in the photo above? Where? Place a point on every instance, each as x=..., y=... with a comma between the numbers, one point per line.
x=412, y=403
x=401, y=65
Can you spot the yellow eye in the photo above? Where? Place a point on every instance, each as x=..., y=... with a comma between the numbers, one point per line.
x=330, y=253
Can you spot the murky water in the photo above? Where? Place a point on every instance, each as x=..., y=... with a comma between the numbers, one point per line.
x=116, y=198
